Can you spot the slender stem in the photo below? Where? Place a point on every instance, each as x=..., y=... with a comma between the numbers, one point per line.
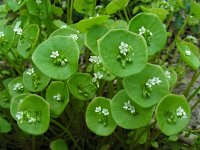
x=193, y=94
x=197, y=102
x=66, y=131
x=110, y=89
x=33, y=142
x=68, y=12
x=169, y=19
x=71, y=10
x=126, y=15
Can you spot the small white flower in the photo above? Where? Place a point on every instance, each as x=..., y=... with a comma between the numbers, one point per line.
x=123, y=48
x=192, y=39
x=157, y=80
x=105, y=112
x=74, y=36
x=63, y=26
x=128, y=106
x=142, y=30
x=97, y=75
x=54, y=54
x=64, y=4
x=98, y=109
x=187, y=52
x=181, y=113
x=168, y=74
x=19, y=115
x=57, y=97
x=153, y=81
x=2, y=34
x=30, y=71
x=32, y=120
x=95, y=59
x=18, y=86
x=17, y=28
x=38, y=2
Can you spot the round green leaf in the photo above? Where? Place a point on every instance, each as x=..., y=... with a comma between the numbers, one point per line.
x=84, y=6
x=34, y=80
x=137, y=89
x=116, y=5
x=5, y=99
x=15, y=4
x=173, y=114
x=68, y=49
x=128, y=114
x=95, y=33
x=192, y=59
x=98, y=117
x=58, y=144
x=58, y=97
x=123, y=65
x=36, y=115
x=5, y=126
x=81, y=86
x=86, y=24
x=152, y=23
x=16, y=87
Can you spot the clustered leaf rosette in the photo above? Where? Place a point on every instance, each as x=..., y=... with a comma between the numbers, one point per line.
x=81, y=86
x=5, y=99
x=122, y=52
x=152, y=29
x=57, y=60
x=34, y=80
x=173, y=114
x=98, y=117
x=57, y=95
x=147, y=87
x=33, y=115
x=189, y=53
x=127, y=114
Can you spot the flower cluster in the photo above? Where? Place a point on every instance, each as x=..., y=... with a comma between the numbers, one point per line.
x=153, y=81
x=38, y=2
x=58, y=59
x=18, y=87
x=180, y=113
x=17, y=28
x=57, y=97
x=30, y=71
x=128, y=106
x=103, y=111
x=146, y=34
x=95, y=59
x=2, y=34
x=192, y=39
x=123, y=48
x=29, y=116
x=187, y=52
x=74, y=36
x=168, y=74
x=97, y=76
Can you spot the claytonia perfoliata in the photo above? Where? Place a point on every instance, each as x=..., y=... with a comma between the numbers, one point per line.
x=28, y=116
x=38, y=2
x=17, y=28
x=105, y=112
x=18, y=87
x=74, y=36
x=102, y=111
x=30, y=71
x=58, y=59
x=19, y=116
x=123, y=48
x=181, y=113
x=192, y=39
x=63, y=26
x=146, y=34
x=98, y=109
x=168, y=74
x=2, y=34
x=97, y=76
x=153, y=81
x=128, y=106
x=95, y=59
x=187, y=52
x=57, y=97
x=54, y=54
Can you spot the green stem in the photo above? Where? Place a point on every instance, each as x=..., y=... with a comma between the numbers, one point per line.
x=126, y=15
x=110, y=89
x=194, y=78
x=169, y=19
x=33, y=142
x=193, y=94
x=68, y=12
x=197, y=102
x=178, y=64
x=67, y=132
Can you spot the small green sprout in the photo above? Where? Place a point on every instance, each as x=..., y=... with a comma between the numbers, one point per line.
x=171, y=116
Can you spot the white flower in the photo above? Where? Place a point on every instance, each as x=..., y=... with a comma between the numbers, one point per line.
x=57, y=97
x=19, y=115
x=181, y=113
x=192, y=39
x=142, y=30
x=97, y=75
x=168, y=74
x=105, y=112
x=63, y=26
x=2, y=34
x=32, y=120
x=98, y=109
x=30, y=71
x=74, y=36
x=38, y=2
x=54, y=54
x=157, y=80
x=17, y=28
x=153, y=81
x=128, y=106
x=123, y=48
x=95, y=59
x=18, y=86
x=188, y=52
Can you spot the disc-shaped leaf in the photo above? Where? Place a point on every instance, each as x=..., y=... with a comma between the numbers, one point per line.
x=84, y=6
x=125, y=61
x=5, y=126
x=116, y=5
x=85, y=24
x=5, y=99
x=34, y=80
x=28, y=40
x=16, y=87
x=173, y=114
x=35, y=115
x=189, y=53
x=81, y=86
x=15, y=103
x=147, y=87
x=98, y=117
x=54, y=50
x=58, y=97
x=152, y=25
x=58, y=144
x=93, y=35
x=128, y=114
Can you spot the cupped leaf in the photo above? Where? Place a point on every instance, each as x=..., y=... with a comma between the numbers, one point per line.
x=147, y=87
x=34, y=80
x=173, y=114
x=128, y=114
x=152, y=29
x=58, y=144
x=16, y=4
x=122, y=52
x=93, y=35
x=5, y=126
x=16, y=87
x=81, y=86
x=57, y=96
x=189, y=53
x=28, y=40
x=33, y=115
x=15, y=104
x=57, y=57
x=116, y=5
x=84, y=6
x=85, y=24
x=98, y=117
x=5, y=99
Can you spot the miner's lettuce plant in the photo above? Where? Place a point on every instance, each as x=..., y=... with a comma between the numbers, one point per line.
x=66, y=81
